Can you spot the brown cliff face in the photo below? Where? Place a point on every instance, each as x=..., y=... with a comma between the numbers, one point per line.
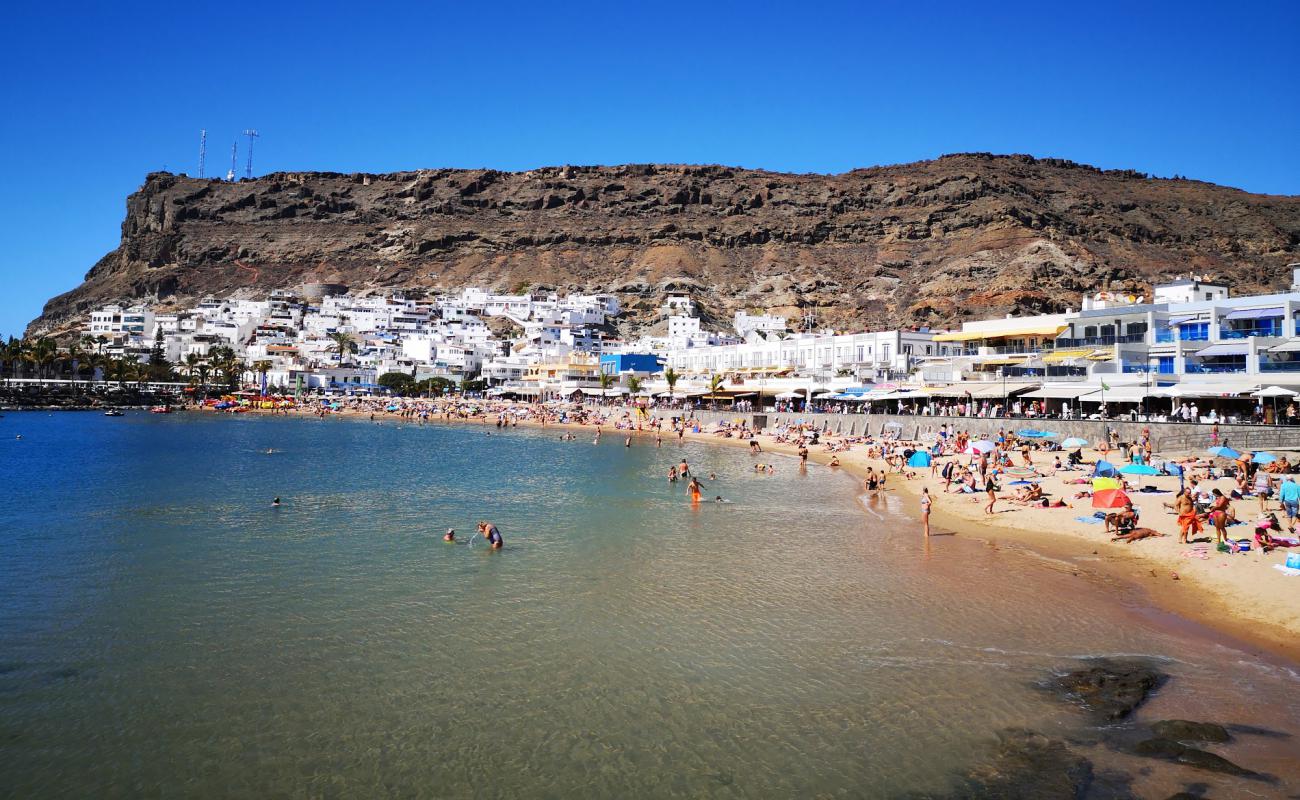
x=935, y=242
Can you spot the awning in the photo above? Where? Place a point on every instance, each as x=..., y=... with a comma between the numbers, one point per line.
x=1102, y=355
x=1001, y=362
x=1286, y=347
x=1218, y=389
x=593, y=392
x=1255, y=313
x=1232, y=349
x=1057, y=356
x=1065, y=392
x=1118, y=394
x=1037, y=329
x=1180, y=320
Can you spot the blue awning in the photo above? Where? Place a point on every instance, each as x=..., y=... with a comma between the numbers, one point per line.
x=1254, y=313
x=1224, y=350
x=1180, y=320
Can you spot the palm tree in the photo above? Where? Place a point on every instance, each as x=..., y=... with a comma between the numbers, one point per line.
x=13, y=353
x=203, y=369
x=100, y=341
x=606, y=380
x=670, y=377
x=43, y=354
x=633, y=384
x=261, y=368
x=190, y=365
x=715, y=383
x=344, y=345
x=119, y=369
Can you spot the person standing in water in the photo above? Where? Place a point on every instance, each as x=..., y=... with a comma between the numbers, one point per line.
x=683, y=469
x=926, y=503
x=491, y=533
x=696, y=493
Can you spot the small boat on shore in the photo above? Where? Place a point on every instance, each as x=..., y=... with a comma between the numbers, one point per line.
x=160, y=410
x=113, y=412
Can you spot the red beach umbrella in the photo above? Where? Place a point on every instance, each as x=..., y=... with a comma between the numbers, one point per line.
x=1109, y=498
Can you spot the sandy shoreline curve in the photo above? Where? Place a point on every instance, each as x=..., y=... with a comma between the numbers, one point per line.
x=1236, y=597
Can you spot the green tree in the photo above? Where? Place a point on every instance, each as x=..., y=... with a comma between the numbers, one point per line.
x=606, y=380
x=472, y=385
x=633, y=384
x=261, y=368
x=435, y=386
x=397, y=382
x=44, y=354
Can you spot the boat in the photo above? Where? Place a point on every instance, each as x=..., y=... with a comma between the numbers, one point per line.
x=113, y=412
x=160, y=410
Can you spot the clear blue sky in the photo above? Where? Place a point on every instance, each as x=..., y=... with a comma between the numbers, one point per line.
x=98, y=94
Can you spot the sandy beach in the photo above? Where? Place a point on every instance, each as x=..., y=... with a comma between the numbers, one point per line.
x=1240, y=595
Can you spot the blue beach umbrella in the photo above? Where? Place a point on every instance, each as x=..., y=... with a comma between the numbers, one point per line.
x=1074, y=441
x=1139, y=469
x=919, y=459
x=1104, y=469
x=1264, y=458
x=1223, y=452
x=1032, y=433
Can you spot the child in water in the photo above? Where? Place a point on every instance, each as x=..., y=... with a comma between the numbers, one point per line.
x=450, y=535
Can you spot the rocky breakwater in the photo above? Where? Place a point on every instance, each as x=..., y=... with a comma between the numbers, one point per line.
x=930, y=243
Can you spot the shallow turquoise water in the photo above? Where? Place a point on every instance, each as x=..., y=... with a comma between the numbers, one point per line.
x=163, y=630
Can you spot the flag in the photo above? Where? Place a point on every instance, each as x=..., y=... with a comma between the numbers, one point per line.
x=1104, y=387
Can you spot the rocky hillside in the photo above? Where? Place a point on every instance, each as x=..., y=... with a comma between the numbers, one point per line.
x=931, y=243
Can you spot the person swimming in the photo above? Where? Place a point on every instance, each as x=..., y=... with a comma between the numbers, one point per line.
x=275, y=502
x=450, y=535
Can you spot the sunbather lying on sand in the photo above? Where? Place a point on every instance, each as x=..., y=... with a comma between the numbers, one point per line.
x=1135, y=534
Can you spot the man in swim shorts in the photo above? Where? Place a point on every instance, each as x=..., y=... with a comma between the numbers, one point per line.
x=491, y=533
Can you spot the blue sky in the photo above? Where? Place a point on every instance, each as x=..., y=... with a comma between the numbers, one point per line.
x=97, y=94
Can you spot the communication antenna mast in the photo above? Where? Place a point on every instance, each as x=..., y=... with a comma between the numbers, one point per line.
x=203, y=149
x=251, y=134
x=809, y=320
x=230, y=176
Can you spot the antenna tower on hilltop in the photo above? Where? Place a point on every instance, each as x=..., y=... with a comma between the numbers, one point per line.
x=251, y=134
x=203, y=149
x=809, y=320
x=230, y=176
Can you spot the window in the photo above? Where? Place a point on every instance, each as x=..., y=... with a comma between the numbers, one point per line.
x=907, y=349
x=927, y=349
x=1090, y=332
x=1135, y=328
x=1107, y=330
x=1209, y=295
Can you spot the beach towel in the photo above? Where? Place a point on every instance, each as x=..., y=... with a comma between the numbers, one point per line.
x=1285, y=570
x=1088, y=520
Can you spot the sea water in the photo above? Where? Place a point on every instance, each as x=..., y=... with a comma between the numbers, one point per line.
x=164, y=630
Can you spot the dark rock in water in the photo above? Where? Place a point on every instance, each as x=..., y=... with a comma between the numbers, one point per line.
x=1159, y=748
x=1179, y=753
x=1111, y=689
x=1251, y=730
x=1181, y=730
x=1029, y=765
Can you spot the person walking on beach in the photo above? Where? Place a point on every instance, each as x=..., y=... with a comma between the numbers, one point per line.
x=991, y=489
x=926, y=503
x=1289, y=494
x=1189, y=523
x=1219, y=516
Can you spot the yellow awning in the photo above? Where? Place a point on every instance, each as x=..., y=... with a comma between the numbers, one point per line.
x=998, y=333
x=1001, y=362
x=1102, y=355
x=1058, y=356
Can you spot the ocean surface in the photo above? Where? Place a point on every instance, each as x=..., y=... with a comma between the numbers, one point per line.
x=164, y=631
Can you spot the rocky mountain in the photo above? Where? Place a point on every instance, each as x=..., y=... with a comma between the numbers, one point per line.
x=930, y=243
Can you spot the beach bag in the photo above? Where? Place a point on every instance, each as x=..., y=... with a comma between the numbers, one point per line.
x=1293, y=560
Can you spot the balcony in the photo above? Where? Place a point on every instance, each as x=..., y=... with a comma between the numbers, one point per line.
x=1102, y=341
x=1246, y=333
x=1279, y=366
x=1218, y=367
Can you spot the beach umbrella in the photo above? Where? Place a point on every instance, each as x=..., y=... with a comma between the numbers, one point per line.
x=1032, y=433
x=980, y=447
x=919, y=459
x=1224, y=452
x=1100, y=484
x=1109, y=498
x=1264, y=458
x=1074, y=441
x=1022, y=472
x=1139, y=469
x=1104, y=469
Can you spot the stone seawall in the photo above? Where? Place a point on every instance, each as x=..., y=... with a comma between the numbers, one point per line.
x=1168, y=436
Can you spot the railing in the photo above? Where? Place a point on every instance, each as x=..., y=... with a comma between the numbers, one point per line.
x=1279, y=366
x=1167, y=336
x=1246, y=333
x=1217, y=368
x=1102, y=341
x=1264, y=437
